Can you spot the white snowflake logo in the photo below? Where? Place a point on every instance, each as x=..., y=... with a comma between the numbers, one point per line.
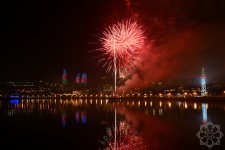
x=209, y=135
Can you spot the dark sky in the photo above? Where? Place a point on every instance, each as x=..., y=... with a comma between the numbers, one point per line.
x=41, y=37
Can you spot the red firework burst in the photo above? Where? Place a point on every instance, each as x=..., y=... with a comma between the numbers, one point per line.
x=124, y=39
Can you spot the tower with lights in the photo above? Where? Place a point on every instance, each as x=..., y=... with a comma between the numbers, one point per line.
x=203, y=83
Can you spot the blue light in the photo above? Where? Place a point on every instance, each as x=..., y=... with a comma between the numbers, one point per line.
x=204, y=112
x=14, y=101
x=83, y=117
x=203, y=81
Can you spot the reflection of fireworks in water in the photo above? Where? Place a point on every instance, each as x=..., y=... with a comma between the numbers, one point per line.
x=126, y=38
x=127, y=139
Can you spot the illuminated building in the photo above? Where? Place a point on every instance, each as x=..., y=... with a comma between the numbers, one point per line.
x=84, y=78
x=64, y=77
x=203, y=83
x=77, y=78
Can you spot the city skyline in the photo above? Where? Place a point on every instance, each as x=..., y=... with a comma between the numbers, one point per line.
x=112, y=74
x=40, y=39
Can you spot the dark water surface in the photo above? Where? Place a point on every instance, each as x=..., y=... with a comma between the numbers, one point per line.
x=81, y=124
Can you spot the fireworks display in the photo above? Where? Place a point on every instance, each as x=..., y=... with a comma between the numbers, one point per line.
x=126, y=39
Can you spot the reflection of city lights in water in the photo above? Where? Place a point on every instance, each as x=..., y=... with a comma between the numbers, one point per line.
x=139, y=103
x=127, y=138
x=30, y=105
x=169, y=104
x=77, y=117
x=63, y=119
x=153, y=112
x=14, y=101
x=11, y=112
x=160, y=104
x=81, y=117
x=179, y=104
x=204, y=112
x=185, y=105
x=195, y=106
x=84, y=117
x=160, y=111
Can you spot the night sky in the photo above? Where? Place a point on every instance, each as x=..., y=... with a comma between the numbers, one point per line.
x=40, y=37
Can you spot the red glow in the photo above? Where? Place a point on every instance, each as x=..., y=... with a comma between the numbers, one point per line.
x=128, y=138
x=127, y=39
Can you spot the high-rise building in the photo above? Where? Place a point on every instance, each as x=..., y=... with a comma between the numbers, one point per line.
x=64, y=77
x=78, y=79
x=203, y=83
x=84, y=78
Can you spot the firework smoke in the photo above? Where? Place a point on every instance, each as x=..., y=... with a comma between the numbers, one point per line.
x=182, y=41
x=184, y=36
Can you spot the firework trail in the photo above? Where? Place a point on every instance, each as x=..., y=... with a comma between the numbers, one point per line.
x=123, y=40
